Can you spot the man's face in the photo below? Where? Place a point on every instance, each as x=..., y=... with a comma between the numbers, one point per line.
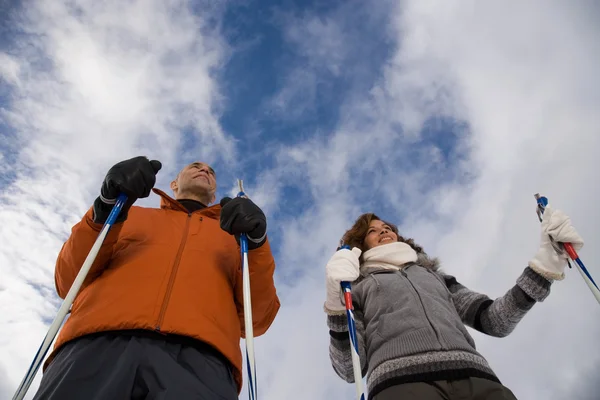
x=197, y=178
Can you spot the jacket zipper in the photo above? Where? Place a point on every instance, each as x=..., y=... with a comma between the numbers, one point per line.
x=423, y=308
x=163, y=308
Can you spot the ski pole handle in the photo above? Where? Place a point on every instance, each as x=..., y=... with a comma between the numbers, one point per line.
x=347, y=289
x=243, y=237
x=114, y=213
x=570, y=251
x=542, y=202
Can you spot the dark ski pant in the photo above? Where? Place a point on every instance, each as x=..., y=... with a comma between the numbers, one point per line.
x=114, y=367
x=463, y=389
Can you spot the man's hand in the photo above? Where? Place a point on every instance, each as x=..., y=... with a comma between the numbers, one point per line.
x=241, y=215
x=134, y=177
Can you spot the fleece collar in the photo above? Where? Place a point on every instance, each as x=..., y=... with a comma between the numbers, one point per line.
x=383, y=259
x=169, y=203
x=391, y=256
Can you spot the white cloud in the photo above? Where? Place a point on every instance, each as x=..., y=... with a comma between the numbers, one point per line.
x=9, y=69
x=93, y=84
x=325, y=54
x=328, y=32
x=523, y=79
x=298, y=96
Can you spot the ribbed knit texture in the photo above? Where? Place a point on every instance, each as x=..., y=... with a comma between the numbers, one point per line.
x=411, y=359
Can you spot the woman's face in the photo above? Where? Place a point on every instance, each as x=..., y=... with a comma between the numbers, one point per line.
x=379, y=233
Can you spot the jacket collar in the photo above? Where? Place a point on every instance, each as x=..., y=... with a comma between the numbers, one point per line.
x=423, y=260
x=365, y=272
x=169, y=203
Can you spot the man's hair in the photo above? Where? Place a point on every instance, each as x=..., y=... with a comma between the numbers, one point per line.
x=196, y=162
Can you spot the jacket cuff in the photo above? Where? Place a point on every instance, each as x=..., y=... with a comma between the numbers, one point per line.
x=337, y=323
x=535, y=285
x=112, y=235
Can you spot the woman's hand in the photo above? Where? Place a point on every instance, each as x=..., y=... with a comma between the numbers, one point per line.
x=342, y=266
x=556, y=225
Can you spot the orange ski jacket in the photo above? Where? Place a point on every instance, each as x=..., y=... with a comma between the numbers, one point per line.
x=169, y=271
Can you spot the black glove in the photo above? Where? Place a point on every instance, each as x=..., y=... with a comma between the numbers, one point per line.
x=241, y=215
x=134, y=177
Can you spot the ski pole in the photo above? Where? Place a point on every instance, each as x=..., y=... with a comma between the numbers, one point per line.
x=542, y=203
x=248, y=322
x=346, y=287
x=68, y=301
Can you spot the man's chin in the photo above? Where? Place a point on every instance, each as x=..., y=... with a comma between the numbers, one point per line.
x=202, y=188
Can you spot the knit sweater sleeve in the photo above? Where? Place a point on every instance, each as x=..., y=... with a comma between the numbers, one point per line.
x=498, y=317
x=340, y=352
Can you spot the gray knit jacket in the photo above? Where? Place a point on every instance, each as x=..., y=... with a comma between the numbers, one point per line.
x=411, y=325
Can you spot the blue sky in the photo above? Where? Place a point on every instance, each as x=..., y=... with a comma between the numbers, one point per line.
x=443, y=118
x=281, y=93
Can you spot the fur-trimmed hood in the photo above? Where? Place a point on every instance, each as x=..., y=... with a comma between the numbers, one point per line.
x=430, y=263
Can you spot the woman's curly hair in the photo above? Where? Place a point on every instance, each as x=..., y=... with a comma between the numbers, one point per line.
x=355, y=237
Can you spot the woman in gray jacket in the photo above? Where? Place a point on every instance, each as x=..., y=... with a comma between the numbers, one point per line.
x=411, y=317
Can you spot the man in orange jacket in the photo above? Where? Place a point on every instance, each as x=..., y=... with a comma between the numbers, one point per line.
x=160, y=314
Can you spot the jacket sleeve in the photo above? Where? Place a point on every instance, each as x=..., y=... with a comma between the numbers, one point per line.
x=499, y=317
x=76, y=249
x=340, y=352
x=265, y=302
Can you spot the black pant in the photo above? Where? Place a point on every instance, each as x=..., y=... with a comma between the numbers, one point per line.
x=114, y=367
x=463, y=389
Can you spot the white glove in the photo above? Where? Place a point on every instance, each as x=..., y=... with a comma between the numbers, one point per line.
x=342, y=266
x=547, y=262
